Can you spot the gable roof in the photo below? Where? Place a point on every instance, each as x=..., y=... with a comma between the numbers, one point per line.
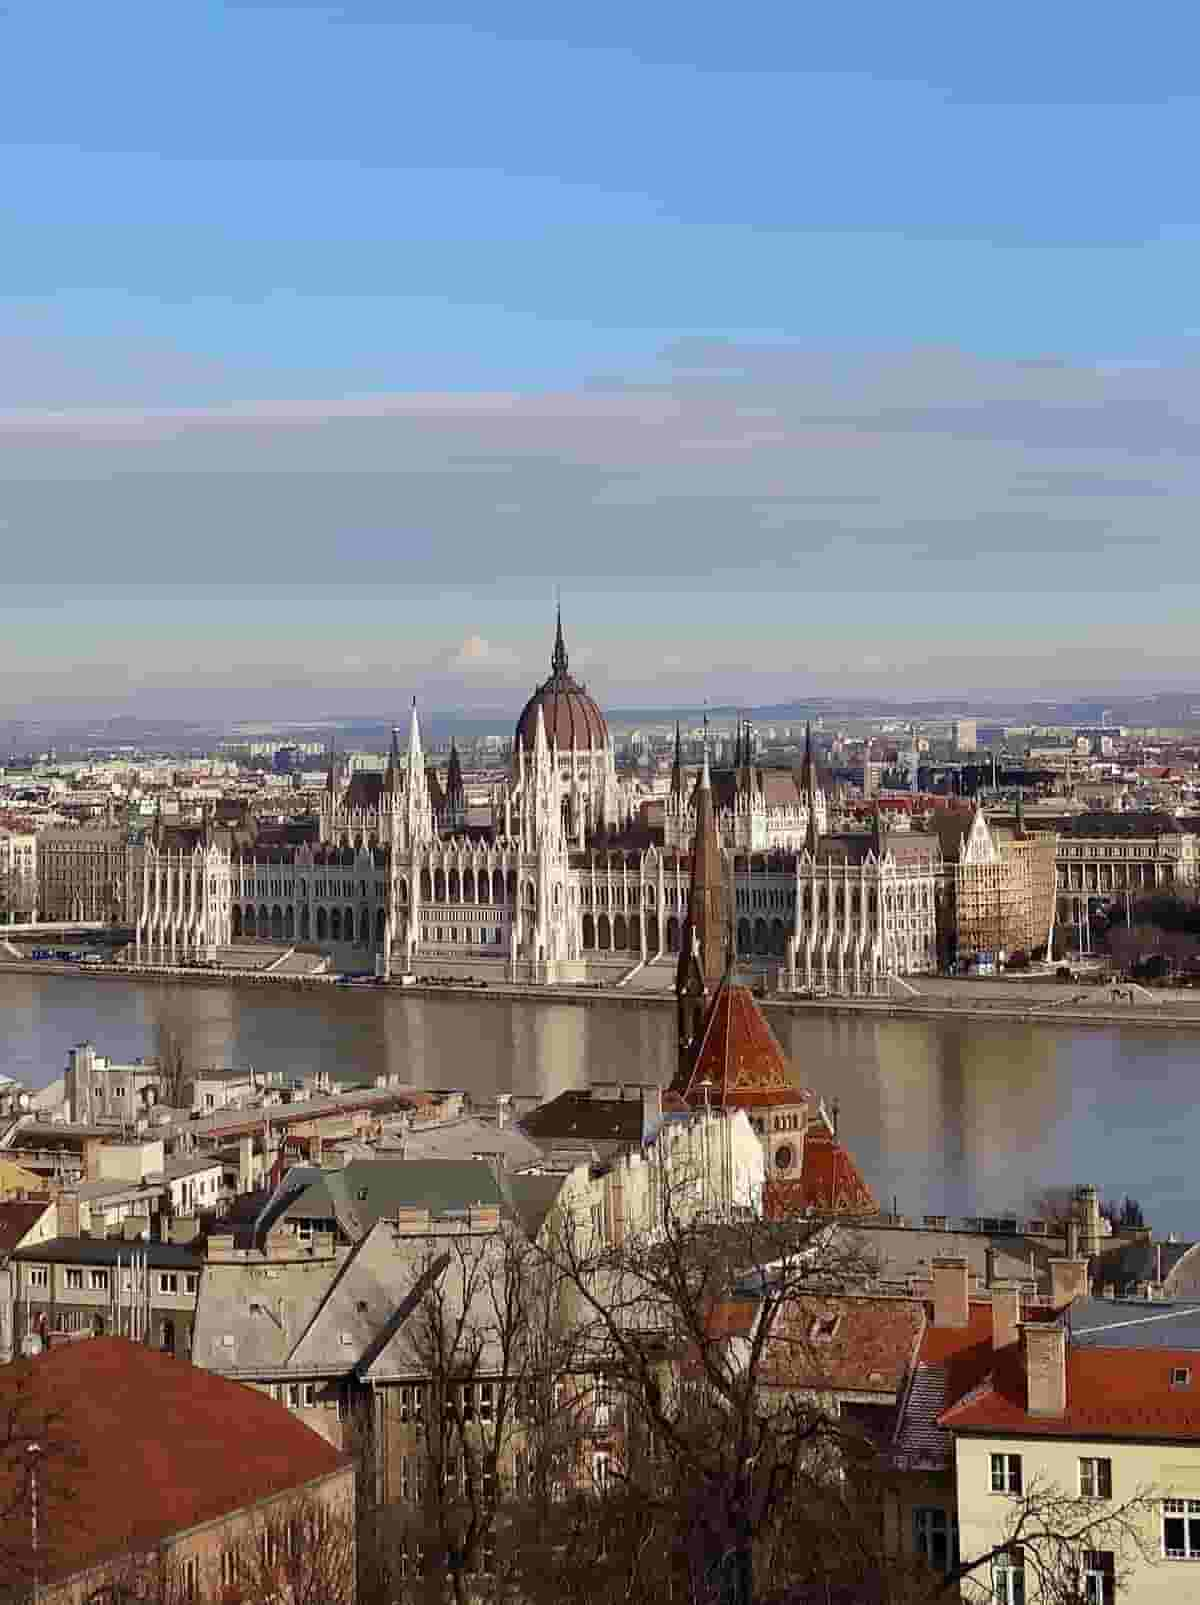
x=133, y=1484
x=251, y=1314
x=1111, y=1393
x=740, y=1058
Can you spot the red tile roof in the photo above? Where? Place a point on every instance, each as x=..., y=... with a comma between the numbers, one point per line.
x=1118, y=1393
x=829, y=1184
x=18, y=1216
x=159, y=1446
x=950, y=1362
x=740, y=1058
x=862, y=1345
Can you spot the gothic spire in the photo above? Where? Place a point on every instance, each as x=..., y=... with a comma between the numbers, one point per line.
x=414, y=735
x=677, y=766
x=558, y=659
x=702, y=948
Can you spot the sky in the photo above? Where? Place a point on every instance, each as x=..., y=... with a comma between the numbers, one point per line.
x=807, y=350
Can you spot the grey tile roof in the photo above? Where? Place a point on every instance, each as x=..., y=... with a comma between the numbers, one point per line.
x=1135, y=1324
x=104, y=1251
x=919, y=1441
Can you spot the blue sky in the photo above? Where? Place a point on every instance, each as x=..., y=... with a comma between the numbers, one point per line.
x=805, y=347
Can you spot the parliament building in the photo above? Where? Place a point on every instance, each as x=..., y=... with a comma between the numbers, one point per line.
x=567, y=884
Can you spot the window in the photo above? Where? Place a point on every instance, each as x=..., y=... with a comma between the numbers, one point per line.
x=39, y=1276
x=487, y=1400
x=601, y=1472
x=1099, y=1577
x=522, y=1474
x=98, y=1281
x=308, y=1395
x=191, y=1282
x=189, y=1577
x=231, y=1568
x=168, y=1282
x=293, y=1395
x=602, y=1403
x=1008, y=1577
x=412, y=1402
x=1181, y=1529
x=75, y=1279
x=1006, y=1474
x=935, y=1537
x=1181, y=1377
x=1095, y=1479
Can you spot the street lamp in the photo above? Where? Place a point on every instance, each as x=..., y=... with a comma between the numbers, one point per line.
x=33, y=1451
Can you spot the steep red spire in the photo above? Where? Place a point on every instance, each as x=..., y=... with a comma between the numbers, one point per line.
x=702, y=947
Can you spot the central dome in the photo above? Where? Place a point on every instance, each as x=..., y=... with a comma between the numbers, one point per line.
x=571, y=717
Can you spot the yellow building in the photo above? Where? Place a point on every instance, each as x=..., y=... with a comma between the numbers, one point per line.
x=1100, y=1404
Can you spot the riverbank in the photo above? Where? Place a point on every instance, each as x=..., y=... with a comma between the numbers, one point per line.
x=1017, y=1001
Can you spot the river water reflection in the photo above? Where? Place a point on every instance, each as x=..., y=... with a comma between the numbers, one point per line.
x=952, y=1116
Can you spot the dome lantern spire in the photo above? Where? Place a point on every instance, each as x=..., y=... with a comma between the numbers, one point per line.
x=558, y=658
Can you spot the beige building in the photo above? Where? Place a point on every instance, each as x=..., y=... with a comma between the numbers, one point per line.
x=83, y=873
x=998, y=895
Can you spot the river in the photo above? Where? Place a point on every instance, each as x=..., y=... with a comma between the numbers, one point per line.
x=948, y=1116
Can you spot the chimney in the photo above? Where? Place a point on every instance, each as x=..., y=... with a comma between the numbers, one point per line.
x=1068, y=1281
x=1006, y=1313
x=68, y=1213
x=651, y=1107
x=245, y=1164
x=91, y=1158
x=1087, y=1208
x=503, y=1099
x=1045, y=1367
x=989, y=1260
x=1072, y=1239
x=950, y=1284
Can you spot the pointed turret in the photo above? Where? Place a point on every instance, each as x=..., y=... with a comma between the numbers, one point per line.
x=455, y=801
x=677, y=768
x=812, y=837
x=414, y=737
x=702, y=948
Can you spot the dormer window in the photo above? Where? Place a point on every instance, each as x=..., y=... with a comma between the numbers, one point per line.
x=824, y=1328
x=1181, y=1376
x=361, y=1195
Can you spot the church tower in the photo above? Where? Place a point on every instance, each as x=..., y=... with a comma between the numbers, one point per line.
x=702, y=948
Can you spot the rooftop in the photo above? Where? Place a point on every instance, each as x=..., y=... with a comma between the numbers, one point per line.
x=105, y=1251
x=129, y=1484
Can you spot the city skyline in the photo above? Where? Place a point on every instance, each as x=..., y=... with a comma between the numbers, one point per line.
x=807, y=358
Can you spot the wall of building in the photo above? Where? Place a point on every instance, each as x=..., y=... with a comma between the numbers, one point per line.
x=1169, y=1469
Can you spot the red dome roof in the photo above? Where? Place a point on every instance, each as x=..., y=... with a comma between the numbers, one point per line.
x=571, y=717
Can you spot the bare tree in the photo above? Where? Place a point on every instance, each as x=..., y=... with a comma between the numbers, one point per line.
x=300, y=1552
x=172, y=1065
x=1053, y=1539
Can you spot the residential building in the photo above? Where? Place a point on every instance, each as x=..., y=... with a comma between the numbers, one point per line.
x=104, y=1285
x=179, y=1474
x=83, y=873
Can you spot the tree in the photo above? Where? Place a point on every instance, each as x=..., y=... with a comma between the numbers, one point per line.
x=1047, y=1538
x=172, y=1066
x=300, y=1552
